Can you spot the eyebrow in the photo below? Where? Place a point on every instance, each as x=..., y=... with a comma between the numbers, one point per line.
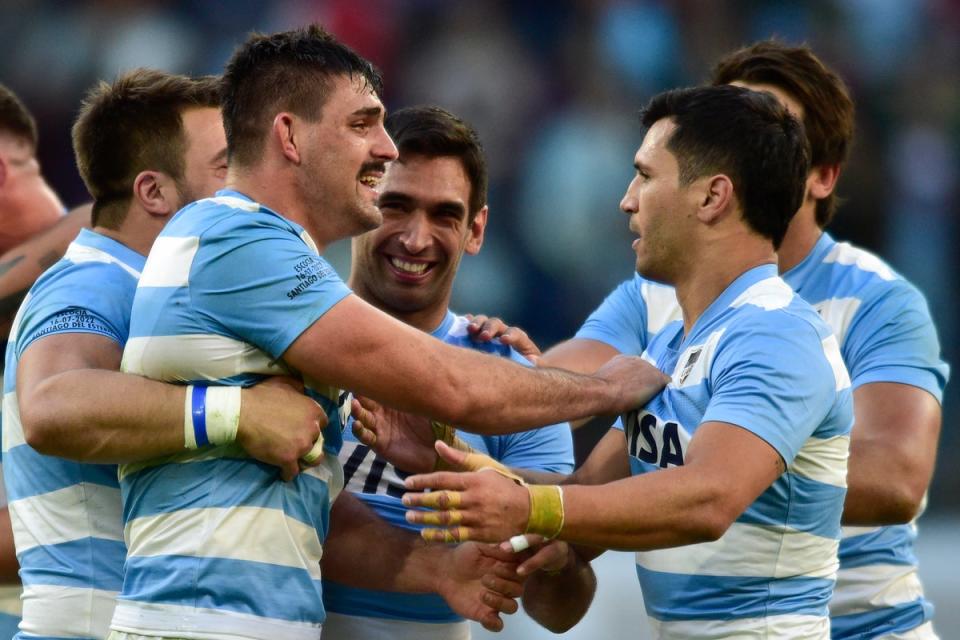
x=445, y=206
x=368, y=111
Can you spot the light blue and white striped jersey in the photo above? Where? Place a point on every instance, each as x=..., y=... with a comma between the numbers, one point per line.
x=762, y=359
x=65, y=514
x=380, y=485
x=218, y=544
x=886, y=335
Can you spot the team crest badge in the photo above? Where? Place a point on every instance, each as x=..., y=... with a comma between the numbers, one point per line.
x=688, y=367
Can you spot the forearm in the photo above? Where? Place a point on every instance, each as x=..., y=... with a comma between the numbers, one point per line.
x=9, y=568
x=96, y=415
x=578, y=354
x=364, y=551
x=558, y=600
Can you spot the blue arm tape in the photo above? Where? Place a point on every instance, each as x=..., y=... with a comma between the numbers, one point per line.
x=199, y=404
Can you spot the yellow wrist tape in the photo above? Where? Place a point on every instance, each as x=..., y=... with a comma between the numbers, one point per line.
x=546, y=510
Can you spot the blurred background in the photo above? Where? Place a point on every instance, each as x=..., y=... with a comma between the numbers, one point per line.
x=554, y=89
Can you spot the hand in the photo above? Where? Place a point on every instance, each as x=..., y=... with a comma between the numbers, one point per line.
x=484, y=506
x=405, y=439
x=550, y=556
x=484, y=329
x=480, y=582
x=635, y=379
x=279, y=425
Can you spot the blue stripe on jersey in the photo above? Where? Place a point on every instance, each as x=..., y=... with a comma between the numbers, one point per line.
x=881, y=622
x=9, y=625
x=254, y=588
x=88, y=562
x=671, y=596
x=379, y=484
x=887, y=545
x=89, y=290
x=242, y=482
x=24, y=479
x=800, y=503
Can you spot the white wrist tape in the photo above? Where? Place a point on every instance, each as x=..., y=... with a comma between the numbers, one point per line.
x=211, y=415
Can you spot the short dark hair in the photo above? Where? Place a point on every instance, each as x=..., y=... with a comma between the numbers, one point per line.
x=288, y=71
x=748, y=136
x=433, y=132
x=828, y=113
x=134, y=125
x=15, y=119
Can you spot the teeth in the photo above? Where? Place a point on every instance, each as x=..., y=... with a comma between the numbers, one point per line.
x=415, y=268
x=370, y=181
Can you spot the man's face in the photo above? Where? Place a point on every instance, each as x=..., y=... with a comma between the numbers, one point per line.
x=27, y=203
x=409, y=263
x=659, y=208
x=344, y=156
x=205, y=157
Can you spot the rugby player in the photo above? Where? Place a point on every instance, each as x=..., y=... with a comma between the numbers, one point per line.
x=240, y=277
x=433, y=201
x=742, y=458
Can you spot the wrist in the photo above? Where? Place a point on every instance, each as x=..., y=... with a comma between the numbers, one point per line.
x=546, y=510
x=211, y=415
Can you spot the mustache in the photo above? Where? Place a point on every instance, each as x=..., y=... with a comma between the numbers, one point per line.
x=371, y=167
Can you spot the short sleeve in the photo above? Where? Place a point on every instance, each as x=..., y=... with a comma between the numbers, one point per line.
x=262, y=283
x=892, y=339
x=621, y=319
x=775, y=382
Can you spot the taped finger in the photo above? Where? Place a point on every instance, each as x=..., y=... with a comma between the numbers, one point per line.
x=441, y=500
x=454, y=534
x=315, y=453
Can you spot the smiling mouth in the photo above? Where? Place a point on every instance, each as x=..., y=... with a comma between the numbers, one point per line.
x=408, y=268
x=370, y=181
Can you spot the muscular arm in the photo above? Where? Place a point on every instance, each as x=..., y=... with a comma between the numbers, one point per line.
x=74, y=403
x=578, y=354
x=22, y=265
x=559, y=600
x=9, y=568
x=393, y=363
x=893, y=447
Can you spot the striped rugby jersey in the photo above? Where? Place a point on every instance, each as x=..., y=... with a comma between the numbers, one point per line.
x=380, y=485
x=762, y=359
x=65, y=514
x=218, y=544
x=886, y=335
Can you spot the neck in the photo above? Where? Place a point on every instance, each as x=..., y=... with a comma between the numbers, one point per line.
x=802, y=235
x=716, y=267
x=274, y=191
x=426, y=319
x=127, y=239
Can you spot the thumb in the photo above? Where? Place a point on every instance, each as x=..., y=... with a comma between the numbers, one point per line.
x=453, y=457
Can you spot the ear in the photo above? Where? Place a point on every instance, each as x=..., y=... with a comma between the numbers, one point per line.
x=156, y=193
x=716, y=198
x=477, y=228
x=822, y=180
x=283, y=132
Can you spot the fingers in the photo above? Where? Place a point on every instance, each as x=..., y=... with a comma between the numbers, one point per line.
x=455, y=534
x=438, y=480
x=502, y=586
x=551, y=557
x=442, y=499
x=442, y=518
x=453, y=457
x=492, y=622
x=501, y=603
x=289, y=470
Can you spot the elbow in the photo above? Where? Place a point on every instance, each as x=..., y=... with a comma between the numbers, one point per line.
x=903, y=503
x=711, y=520
x=38, y=430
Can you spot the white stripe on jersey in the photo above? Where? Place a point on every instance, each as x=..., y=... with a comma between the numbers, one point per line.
x=260, y=529
x=831, y=349
x=845, y=254
x=170, y=262
x=344, y=627
x=873, y=587
x=196, y=356
x=838, y=313
x=682, y=376
x=823, y=460
x=62, y=608
x=92, y=510
x=662, y=306
x=12, y=427
x=80, y=253
x=748, y=550
x=768, y=294
x=785, y=627
x=148, y=619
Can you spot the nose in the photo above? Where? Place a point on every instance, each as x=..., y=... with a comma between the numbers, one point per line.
x=629, y=204
x=384, y=149
x=416, y=236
